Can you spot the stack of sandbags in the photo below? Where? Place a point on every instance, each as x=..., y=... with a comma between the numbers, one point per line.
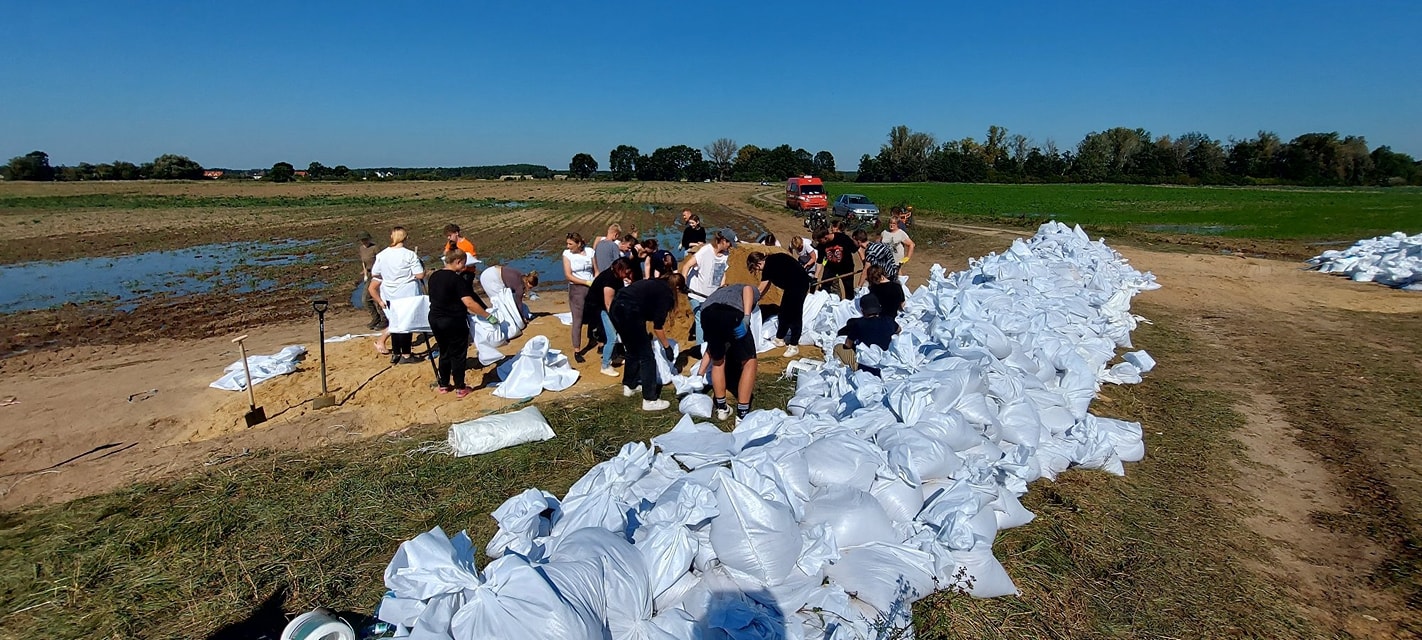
x=831, y=520
x=1394, y=260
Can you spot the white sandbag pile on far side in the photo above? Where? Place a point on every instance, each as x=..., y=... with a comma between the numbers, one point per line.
x=1394, y=260
x=829, y=521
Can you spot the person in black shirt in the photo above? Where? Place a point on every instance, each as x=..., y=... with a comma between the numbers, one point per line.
x=595, y=308
x=451, y=302
x=694, y=234
x=644, y=301
x=837, y=259
x=784, y=271
x=889, y=292
x=872, y=329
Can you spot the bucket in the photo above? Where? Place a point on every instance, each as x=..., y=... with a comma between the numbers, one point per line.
x=319, y=624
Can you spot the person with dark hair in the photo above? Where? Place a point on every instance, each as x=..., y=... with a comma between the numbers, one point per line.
x=872, y=328
x=704, y=273
x=451, y=302
x=660, y=262
x=783, y=271
x=644, y=301
x=396, y=274
x=727, y=317
x=367, y=251
x=767, y=239
x=578, y=269
x=889, y=292
x=876, y=253
x=595, y=309
x=455, y=240
x=694, y=235
x=836, y=262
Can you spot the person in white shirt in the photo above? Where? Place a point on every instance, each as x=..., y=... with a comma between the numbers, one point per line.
x=395, y=274
x=704, y=272
x=898, y=240
x=578, y=269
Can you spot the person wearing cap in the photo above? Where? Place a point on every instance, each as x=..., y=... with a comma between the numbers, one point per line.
x=367, y=249
x=872, y=328
x=727, y=318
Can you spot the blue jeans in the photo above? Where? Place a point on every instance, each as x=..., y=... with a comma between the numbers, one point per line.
x=611, y=333
x=696, y=311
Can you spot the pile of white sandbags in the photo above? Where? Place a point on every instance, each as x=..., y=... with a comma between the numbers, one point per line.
x=831, y=520
x=1394, y=260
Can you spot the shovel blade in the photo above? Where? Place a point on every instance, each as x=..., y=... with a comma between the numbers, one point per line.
x=256, y=416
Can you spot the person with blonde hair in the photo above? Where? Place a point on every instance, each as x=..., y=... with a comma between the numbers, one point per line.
x=396, y=274
x=451, y=302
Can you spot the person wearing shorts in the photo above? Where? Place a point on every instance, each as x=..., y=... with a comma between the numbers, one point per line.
x=727, y=316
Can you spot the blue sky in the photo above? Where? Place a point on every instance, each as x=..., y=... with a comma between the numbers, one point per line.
x=424, y=84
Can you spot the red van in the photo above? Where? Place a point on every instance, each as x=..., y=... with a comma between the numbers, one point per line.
x=806, y=193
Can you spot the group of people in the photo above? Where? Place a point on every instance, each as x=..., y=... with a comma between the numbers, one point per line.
x=624, y=289
x=396, y=273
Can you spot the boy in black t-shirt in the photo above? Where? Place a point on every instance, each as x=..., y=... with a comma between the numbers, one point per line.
x=837, y=259
x=872, y=329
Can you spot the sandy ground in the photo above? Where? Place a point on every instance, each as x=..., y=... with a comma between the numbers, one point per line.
x=126, y=432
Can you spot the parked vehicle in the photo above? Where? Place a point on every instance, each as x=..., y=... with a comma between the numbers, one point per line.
x=806, y=193
x=854, y=207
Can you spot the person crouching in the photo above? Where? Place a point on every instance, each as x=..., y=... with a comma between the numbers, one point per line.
x=451, y=302
x=873, y=329
x=726, y=314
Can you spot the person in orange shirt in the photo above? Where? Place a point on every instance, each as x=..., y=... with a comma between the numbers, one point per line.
x=453, y=240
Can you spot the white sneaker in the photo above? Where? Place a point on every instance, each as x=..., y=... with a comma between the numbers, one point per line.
x=631, y=391
x=792, y=351
x=655, y=405
x=722, y=414
x=778, y=342
x=609, y=371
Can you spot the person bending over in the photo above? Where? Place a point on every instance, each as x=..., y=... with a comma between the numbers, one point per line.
x=784, y=271
x=872, y=328
x=451, y=303
x=644, y=301
x=875, y=253
x=595, y=309
x=727, y=316
x=889, y=292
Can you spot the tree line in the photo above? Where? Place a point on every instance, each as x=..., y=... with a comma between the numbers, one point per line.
x=1134, y=155
x=723, y=159
x=35, y=166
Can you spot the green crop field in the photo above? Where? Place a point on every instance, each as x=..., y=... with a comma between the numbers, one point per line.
x=1282, y=213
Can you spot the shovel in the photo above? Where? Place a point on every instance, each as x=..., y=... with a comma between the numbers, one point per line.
x=255, y=415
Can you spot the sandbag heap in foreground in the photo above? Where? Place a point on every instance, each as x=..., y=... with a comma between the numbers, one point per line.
x=830, y=520
x=1394, y=260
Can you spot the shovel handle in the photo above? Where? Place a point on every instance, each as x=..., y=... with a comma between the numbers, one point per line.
x=240, y=338
x=242, y=348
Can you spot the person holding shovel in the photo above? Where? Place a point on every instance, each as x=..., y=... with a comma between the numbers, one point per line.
x=451, y=303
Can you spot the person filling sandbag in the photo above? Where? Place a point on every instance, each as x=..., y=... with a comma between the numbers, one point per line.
x=873, y=328
x=595, y=309
x=784, y=271
x=726, y=314
x=451, y=300
x=633, y=307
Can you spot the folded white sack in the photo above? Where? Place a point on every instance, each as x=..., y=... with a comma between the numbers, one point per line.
x=491, y=433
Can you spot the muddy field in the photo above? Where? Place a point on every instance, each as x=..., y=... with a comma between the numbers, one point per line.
x=1323, y=374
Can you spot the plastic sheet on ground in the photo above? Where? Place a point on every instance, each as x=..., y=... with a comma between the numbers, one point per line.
x=536, y=368
x=263, y=368
x=832, y=519
x=1394, y=260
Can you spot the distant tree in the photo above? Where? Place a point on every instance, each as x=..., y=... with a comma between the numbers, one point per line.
x=722, y=153
x=747, y=165
x=1260, y=157
x=1204, y=156
x=582, y=166
x=824, y=164
x=869, y=170
x=1391, y=168
x=905, y=155
x=31, y=166
x=281, y=172
x=341, y=172
x=677, y=162
x=317, y=171
x=175, y=167
x=623, y=162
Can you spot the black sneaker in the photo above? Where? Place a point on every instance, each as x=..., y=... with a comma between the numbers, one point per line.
x=409, y=359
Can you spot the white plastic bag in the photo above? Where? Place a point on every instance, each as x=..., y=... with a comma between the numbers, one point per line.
x=491, y=433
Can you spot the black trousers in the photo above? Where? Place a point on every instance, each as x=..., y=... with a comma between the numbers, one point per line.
x=841, y=284
x=452, y=336
x=792, y=315
x=400, y=343
x=640, y=365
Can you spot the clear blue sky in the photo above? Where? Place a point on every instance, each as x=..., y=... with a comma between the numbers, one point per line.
x=241, y=84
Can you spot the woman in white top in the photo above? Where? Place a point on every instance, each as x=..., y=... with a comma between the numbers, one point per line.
x=395, y=274
x=704, y=272
x=804, y=252
x=578, y=269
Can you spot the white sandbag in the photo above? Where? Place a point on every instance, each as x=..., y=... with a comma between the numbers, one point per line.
x=1009, y=512
x=916, y=455
x=410, y=314
x=513, y=596
x=855, y=516
x=843, y=460
x=263, y=368
x=753, y=535
x=491, y=433
x=888, y=577
x=901, y=500
x=536, y=368
x=523, y=519
x=989, y=579
x=626, y=586
x=1141, y=360
x=696, y=405
x=487, y=337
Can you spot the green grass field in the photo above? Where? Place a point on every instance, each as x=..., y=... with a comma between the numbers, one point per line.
x=1277, y=213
